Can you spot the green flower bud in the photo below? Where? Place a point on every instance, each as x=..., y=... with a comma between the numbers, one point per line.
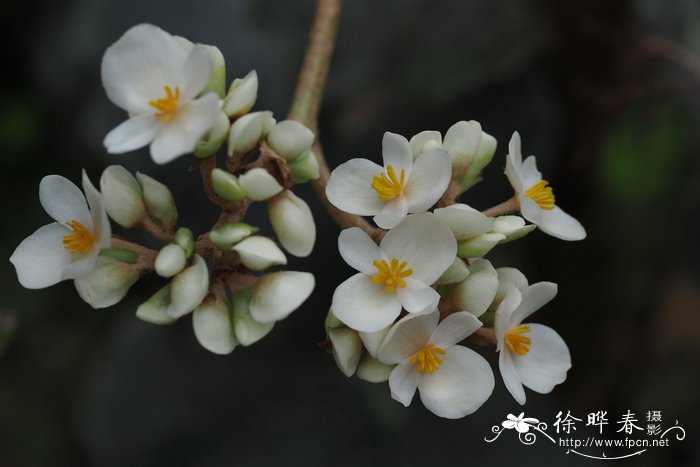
x=290, y=138
x=247, y=131
x=189, y=288
x=424, y=141
x=212, y=326
x=241, y=95
x=214, y=139
x=227, y=235
x=258, y=253
x=457, y=272
x=293, y=223
x=121, y=196
x=304, y=167
x=346, y=345
x=154, y=310
x=185, y=239
x=171, y=260
x=259, y=185
x=247, y=330
x=478, y=246
x=159, y=201
x=227, y=185
x=107, y=284
x=217, y=79
x=373, y=371
x=482, y=158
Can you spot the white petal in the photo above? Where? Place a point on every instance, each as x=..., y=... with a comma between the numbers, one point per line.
x=416, y=297
x=137, y=67
x=507, y=278
x=530, y=175
x=429, y=179
x=374, y=340
x=514, y=149
x=424, y=141
x=394, y=211
x=100, y=223
x=258, y=253
x=189, y=124
x=407, y=336
x=350, y=187
x=510, y=376
x=530, y=210
x=278, y=294
x=455, y=328
x=195, y=72
x=396, y=151
x=457, y=272
x=403, y=382
x=462, y=383
x=373, y=371
x=364, y=305
x=347, y=349
x=462, y=142
x=63, y=200
x=107, y=283
x=464, y=221
x=40, y=259
x=534, y=297
x=189, y=288
x=259, y=184
x=359, y=250
x=475, y=293
x=559, y=224
x=424, y=243
x=503, y=321
x=547, y=362
x=290, y=138
x=247, y=330
x=134, y=133
x=211, y=322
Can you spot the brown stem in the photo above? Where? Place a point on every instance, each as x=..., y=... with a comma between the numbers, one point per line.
x=487, y=334
x=134, y=248
x=156, y=230
x=506, y=207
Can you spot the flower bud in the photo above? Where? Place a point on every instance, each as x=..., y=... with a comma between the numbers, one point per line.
x=464, y=221
x=293, y=223
x=121, y=196
x=246, y=132
x=171, y=260
x=346, y=345
x=241, y=95
x=290, y=138
x=304, y=167
x=119, y=254
x=214, y=138
x=478, y=246
x=189, y=288
x=259, y=185
x=107, y=284
x=457, y=272
x=227, y=185
x=185, y=239
x=484, y=155
x=217, y=79
x=212, y=326
x=462, y=142
x=154, y=310
x=512, y=227
x=278, y=294
x=227, y=235
x=509, y=278
x=374, y=340
x=424, y=141
x=247, y=330
x=475, y=293
x=373, y=371
x=258, y=253
x=159, y=201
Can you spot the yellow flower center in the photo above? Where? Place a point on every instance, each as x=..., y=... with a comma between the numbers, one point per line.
x=81, y=240
x=389, y=185
x=167, y=106
x=391, y=275
x=516, y=342
x=426, y=359
x=541, y=194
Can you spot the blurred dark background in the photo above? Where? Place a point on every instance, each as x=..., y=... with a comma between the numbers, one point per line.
x=605, y=93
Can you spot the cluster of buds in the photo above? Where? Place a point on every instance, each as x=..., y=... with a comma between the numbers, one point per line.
x=175, y=94
x=426, y=285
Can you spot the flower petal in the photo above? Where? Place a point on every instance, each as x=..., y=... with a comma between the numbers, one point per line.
x=195, y=72
x=100, y=222
x=534, y=297
x=134, y=133
x=559, y=224
x=373, y=340
x=464, y=221
x=393, y=212
x=278, y=294
x=189, y=124
x=462, y=383
x=63, y=201
x=40, y=259
x=424, y=243
x=530, y=210
x=403, y=382
x=530, y=175
x=359, y=250
x=429, y=179
x=350, y=187
x=510, y=376
x=503, y=321
x=364, y=305
x=455, y=328
x=417, y=297
x=347, y=349
x=407, y=337
x=547, y=362
x=475, y=293
x=211, y=322
x=396, y=151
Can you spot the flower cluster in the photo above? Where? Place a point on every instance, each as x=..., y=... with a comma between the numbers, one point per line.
x=425, y=286
x=174, y=93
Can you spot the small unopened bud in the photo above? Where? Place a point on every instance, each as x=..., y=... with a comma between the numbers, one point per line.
x=346, y=348
x=475, y=293
x=290, y=138
x=121, y=195
x=247, y=131
x=484, y=155
x=159, y=201
x=227, y=235
x=189, y=288
x=304, y=167
x=373, y=371
x=241, y=95
x=278, y=294
x=185, y=239
x=462, y=142
x=217, y=79
x=478, y=246
x=465, y=222
x=293, y=223
x=107, y=284
x=154, y=310
x=258, y=253
x=424, y=141
x=373, y=340
x=512, y=227
x=247, y=330
x=509, y=278
x=212, y=326
x=457, y=272
x=171, y=260
x=227, y=185
x=214, y=138
x=259, y=185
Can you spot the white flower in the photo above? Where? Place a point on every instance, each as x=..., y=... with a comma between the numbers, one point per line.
x=67, y=248
x=536, y=198
x=530, y=354
x=521, y=423
x=388, y=193
x=453, y=381
x=156, y=79
x=397, y=273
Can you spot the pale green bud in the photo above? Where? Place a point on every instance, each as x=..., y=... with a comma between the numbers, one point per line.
x=259, y=185
x=290, y=138
x=373, y=371
x=227, y=185
x=424, y=141
x=512, y=227
x=346, y=345
x=217, y=79
x=465, y=222
x=154, y=310
x=457, y=272
x=189, y=288
x=107, y=283
x=241, y=95
x=121, y=196
x=305, y=167
x=374, y=340
x=475, y=293
x=185, y=239
x=159, y=201
x=212, y=326
x=119, y=254
x=484, y=155
x=276, y=295
x=247, y=330
x=258, y=253
x=478, y=246
x=462, y=143
x=293, y=223
x=214, y=138
x=507, y=279
x=247, y=131
x=171, y=260
x=227, y=235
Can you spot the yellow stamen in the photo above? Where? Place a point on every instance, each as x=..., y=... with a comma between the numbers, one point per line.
x=541, y=194
x=168, y=105
x=426, y=359
x=81, y=240
x=516, y=342
x=392, y=275
x=391, y=186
